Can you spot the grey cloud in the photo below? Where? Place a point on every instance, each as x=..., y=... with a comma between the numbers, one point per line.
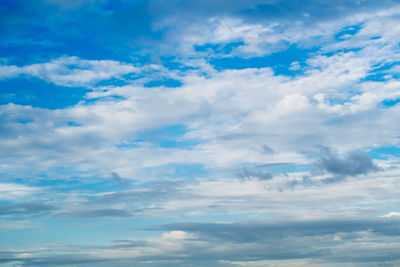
x=258, y=171
x=115, y=176
x=267, y=149
x=69, y=260
x=94, y=213
x=135, y=196
x=349, y=241
x=26, y=209
x=238, y=136
x=248, y=173
x=353, y=164
x=322, y=240
x=275, y=164
x=264, y=231
x=52, y=260
x=136, y=202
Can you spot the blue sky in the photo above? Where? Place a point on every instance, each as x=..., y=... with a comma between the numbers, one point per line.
x=199, y=133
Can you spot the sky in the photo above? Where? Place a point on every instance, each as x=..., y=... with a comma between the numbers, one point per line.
x=199, y=133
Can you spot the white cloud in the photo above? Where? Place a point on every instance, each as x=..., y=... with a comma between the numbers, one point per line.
x=391, y=214
x=11, y=191
x=71, y=71
x=233, y=113
x=7, y=225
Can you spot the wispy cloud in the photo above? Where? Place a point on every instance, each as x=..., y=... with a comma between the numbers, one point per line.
x=71, y=71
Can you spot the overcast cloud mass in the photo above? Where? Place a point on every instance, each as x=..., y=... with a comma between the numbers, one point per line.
x=199, y=133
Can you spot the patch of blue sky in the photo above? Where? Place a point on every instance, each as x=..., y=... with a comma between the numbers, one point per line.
x=186, y=171
x=347, y=32
x=38, y=93
x=175, y=63
x=90, y=184
x=70, y=179
x=94, y=100
x=85, y=231
x=8, y=5
x=112, y=82
x=164, y=83
x=25, y=121
x=129, y=144
x=375, y=38
x=382, y=72
x=105, y=33
x=377, y=77
x=342, y=50
x=218, y=49
x=390, y=102
x=171, y=136
x=288, y=62
x=385, y=152
x=73, y=124
x=28, y=50
x=135, y=77
x=181, y=144
x=119, y=5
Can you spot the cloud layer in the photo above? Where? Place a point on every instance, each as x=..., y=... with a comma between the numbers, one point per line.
x=199, y=133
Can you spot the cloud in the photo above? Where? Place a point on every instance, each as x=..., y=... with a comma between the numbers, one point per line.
x=262, y=28
x=13, y=191
x=222, y=244
x=334, y=69
x=249, y=173
x=247, y=232
x=353, y=164
x=71, y=71
x=7, y=225
x=391, y=214
x=115, y=176
x=158, y=28
x=96, y=213
x=26, y=209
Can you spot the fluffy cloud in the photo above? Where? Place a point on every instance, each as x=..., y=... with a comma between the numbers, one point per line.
x=232, y=114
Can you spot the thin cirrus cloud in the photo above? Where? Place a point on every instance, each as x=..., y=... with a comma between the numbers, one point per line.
x=199, y=133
